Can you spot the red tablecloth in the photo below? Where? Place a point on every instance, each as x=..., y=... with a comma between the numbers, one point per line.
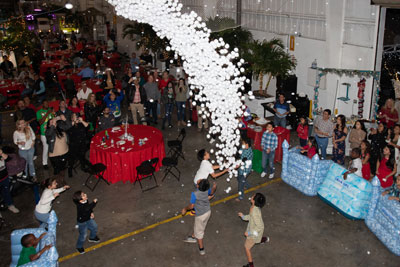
x=121, y=164
x=48, y=64
x=282, y=134
x=12, y=90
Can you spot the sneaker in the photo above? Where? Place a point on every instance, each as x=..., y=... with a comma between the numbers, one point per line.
x=271, y=176
x=190, y=239
x=264, y=239
x=263, y=174
x=202, y=252
x=34, y=157
x=96, y=239
x=13, y=209
x=81, y=250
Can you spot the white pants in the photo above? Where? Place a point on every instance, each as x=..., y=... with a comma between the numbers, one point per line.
x=45, y=155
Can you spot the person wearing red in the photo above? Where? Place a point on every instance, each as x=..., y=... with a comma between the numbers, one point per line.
x=74, y=106
x=365, y=156
x=311, y=147
x=302, y=131
x=388, y=114
x=163, y=82
x=386, y=167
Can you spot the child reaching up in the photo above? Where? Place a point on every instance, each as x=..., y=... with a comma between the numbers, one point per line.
x=355, y=163
x=311, y=148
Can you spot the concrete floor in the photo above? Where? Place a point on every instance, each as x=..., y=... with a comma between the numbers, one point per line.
x=303, y=231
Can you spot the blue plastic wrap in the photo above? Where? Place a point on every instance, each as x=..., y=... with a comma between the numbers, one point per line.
x=50, y=257
x=301, y=172
x=383, y=218
x=351, y=197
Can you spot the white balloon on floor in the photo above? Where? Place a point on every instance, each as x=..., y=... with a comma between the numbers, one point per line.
x=208, y=64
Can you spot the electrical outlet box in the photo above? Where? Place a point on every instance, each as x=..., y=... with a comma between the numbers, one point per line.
x=355, y=101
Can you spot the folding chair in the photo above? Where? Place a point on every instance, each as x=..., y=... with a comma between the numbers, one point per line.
x=145, y=170
x=171, y=163
x=97, y=170
x=175, y=146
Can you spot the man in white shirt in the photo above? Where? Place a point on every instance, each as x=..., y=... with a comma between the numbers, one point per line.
x=356, y=163
x=84, y=92
x=206, y=168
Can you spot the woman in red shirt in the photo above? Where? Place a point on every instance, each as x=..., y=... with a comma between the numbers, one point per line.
x=163, y=82
x=386, y=167
x=74, y=106
x=302, y=131
x=388, y=114
x=311, y=147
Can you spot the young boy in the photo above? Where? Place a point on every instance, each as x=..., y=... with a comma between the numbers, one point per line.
x=394, y=190
x=200, y=202
x=85, y=219
x=356, y=163
x=206, y=168
x=28, y=253
x=244, y=170
x=255, y=227
x=269, y=143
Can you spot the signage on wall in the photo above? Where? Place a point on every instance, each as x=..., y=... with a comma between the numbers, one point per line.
x=291, y=43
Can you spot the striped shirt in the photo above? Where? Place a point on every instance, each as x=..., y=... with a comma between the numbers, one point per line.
x=247, y=157
x=326, y=126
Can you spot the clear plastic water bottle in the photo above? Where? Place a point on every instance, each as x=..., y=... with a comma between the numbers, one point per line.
x=112, y=142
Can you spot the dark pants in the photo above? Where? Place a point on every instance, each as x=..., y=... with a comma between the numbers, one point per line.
x=303, y=142
x=168, y=113
x=77, y=153
x=151, y=109
x=181, y=110
x=59, y=163
x=5, y=191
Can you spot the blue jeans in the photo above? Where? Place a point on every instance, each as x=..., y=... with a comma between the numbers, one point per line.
x=270, y=158
x=5, y=191
x=279, y=121
x=322, y=144
x=28, y=156
x=83, y=227
x=168, y=112
x=181, y=111
x=242, y=183
x=42, y=218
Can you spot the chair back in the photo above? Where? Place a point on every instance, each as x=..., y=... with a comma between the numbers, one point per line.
x=182, y=135
x=154, y=162
x=146, y=168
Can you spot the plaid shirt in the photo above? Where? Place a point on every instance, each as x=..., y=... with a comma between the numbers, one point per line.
x=269, y=140
x=247, y=154
x=394, y=191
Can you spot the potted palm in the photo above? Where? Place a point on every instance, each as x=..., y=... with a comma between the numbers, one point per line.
x=268, y=57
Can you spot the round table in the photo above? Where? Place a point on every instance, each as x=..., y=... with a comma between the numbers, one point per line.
x=122, y=160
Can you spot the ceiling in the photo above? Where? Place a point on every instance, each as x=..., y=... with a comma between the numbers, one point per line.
x=387, y=3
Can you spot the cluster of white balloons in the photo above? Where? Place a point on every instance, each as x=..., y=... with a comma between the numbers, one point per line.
x=208, y=64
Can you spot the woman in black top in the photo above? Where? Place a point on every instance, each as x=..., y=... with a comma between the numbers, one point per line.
x=378, y=142
x=78, y=140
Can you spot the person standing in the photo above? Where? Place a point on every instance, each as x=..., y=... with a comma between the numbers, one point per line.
x=24, y=138
x=200, y=202
x=136, y=97
x=281, y=109
x=153, y=97
x=78, y=143
x=134, y=62
x=91, y=110
x=357, y=134
x=5, y=183
x=339, y=140
x=323, y=128
x=113, y=101
x=255, y=227
x=63, y=110
x=269, y=143
x=388, y=114
x=83, y=92
x=39, y=89
x=244, y=170
x=7, y=67
x=43, y=116
x=206, y=167
x=181, y=101
x=168, y=99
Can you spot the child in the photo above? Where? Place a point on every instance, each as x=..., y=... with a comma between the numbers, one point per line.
x=28, y=253
x=43, y=208
x=394, y=190
x=255, y=227
x=355, y=164
x=365, y=156
x=302, y=131
x=311, y=148
x=386, y=167
x=206, y=168
x=85, y=220
x=244, y=170
x=378, y=142
x=269, y=143
x=200, y=202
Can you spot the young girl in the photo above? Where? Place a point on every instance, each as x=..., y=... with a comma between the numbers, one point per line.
x=339, y=140
x=365, y=156
x=357, y=134
x=311, y=148
x=24, y=138
x=386, y=167
x=43, y=208
x=394, y=140
x=378, y=142
x=302, y=131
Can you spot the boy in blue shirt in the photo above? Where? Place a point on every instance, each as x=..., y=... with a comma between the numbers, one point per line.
x=246, y=155
x=269, y=143
x=281, y=109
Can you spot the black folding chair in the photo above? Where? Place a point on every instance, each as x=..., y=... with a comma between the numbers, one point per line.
x=175, y=146
x=171, y=163
x=145, y=170
x=97, y=171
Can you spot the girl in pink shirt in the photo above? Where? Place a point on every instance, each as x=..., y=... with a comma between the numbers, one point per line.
x=311, y=147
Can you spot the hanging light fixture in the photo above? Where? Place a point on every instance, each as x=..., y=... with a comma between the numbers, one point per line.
x=68, y=5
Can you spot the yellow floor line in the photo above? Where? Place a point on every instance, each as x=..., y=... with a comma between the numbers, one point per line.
x=118, y=238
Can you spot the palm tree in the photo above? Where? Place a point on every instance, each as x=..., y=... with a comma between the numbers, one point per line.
x=269, y=57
